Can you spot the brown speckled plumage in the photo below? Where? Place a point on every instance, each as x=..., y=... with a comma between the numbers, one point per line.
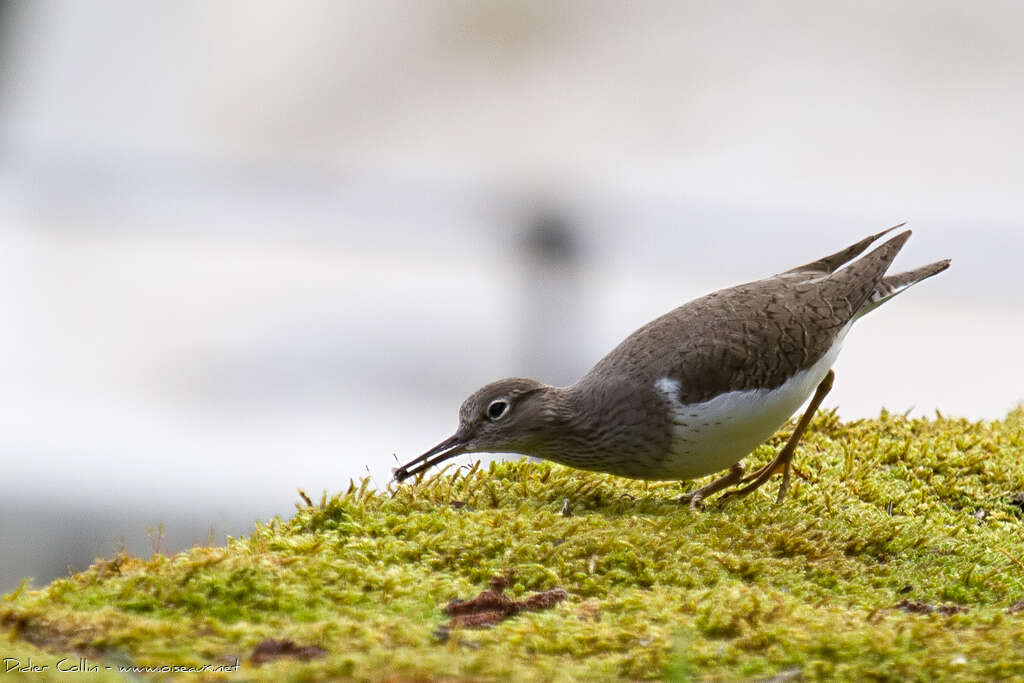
x=754, y=335
x=618, y=417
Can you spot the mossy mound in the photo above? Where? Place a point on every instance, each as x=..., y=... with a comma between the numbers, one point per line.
x=901, y=558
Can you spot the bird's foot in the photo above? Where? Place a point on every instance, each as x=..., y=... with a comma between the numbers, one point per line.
x=776, y=466
x=779, y=465
x=696, y=498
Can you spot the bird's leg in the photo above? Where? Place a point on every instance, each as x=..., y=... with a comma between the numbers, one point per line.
x=783, y=462
x=694, y=498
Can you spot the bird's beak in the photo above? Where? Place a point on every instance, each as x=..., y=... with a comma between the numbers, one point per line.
x=448, y=448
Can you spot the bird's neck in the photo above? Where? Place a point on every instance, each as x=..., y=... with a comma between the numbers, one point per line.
x=569, y=423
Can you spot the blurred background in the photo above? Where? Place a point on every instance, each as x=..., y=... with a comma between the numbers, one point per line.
x=248, y=247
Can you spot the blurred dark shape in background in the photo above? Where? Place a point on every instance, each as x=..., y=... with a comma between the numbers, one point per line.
x=553, y=309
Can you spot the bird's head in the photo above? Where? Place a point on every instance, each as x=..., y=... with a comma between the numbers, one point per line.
x=503, y=417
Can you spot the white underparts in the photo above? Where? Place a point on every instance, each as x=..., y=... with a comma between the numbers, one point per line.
x=716, y=434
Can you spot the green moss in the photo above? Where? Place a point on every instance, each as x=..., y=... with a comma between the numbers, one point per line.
x=894, y=509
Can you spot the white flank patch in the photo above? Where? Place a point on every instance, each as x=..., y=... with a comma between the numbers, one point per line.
x=716, y=434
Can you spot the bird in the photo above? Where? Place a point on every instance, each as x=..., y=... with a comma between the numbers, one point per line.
x=694, y=391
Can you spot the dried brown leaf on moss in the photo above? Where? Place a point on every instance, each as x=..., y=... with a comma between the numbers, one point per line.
x=270, y=649
x=492, y=606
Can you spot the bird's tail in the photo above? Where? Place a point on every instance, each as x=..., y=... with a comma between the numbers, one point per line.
x=891, y=285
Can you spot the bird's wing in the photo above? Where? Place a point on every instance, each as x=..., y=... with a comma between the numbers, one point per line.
x=754, y=335
x=829, y=264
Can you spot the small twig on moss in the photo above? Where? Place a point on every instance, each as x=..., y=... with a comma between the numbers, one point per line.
x=1011, y=557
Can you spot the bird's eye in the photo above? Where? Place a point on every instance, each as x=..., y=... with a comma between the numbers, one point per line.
x=497, y=409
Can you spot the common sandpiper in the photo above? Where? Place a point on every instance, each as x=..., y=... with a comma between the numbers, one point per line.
x=696, y=390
